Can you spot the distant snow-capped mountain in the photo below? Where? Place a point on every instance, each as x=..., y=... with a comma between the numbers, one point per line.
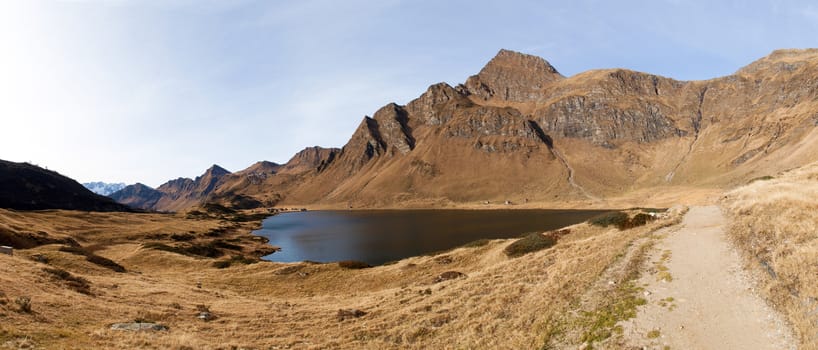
x=103, y=188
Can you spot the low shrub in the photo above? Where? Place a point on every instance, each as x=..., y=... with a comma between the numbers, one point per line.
x=208, y=250
x=239, y=217
x=225, y=245
x=221, y=264
x=182, y=237
x=616, y=218
x=529, y=244
x=217, y=208
x=195, y=214
x=23, y=304
x=216, y=232
x=621, y=220
x=353, y=264
x=637, y=220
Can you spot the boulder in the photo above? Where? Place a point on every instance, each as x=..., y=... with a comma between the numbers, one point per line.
x=138, y=326
x=449, y=275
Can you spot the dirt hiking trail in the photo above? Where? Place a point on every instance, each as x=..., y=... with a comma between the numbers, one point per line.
x=700, y=297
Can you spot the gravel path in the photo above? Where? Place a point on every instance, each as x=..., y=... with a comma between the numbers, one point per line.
x=700, y=297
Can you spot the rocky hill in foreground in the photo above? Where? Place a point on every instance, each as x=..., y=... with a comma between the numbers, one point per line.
x=521, y=131
x=25, y=186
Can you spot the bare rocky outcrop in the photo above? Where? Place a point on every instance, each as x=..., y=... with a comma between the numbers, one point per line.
x=310, y=159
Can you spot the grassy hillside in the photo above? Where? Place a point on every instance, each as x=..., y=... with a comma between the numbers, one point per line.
x=471, y=297
x=774, y=222
x=28, y=187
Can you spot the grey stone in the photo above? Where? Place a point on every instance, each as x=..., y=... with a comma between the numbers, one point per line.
x=138, y=326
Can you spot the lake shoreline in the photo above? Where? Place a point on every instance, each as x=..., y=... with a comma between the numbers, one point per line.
x=376, y=236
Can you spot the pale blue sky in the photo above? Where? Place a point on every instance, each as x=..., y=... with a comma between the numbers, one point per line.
x=152, y=90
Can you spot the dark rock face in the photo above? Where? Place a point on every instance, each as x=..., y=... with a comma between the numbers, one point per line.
x=311, y=159
x=596, y=121
x=260, y=171
x=27, y=187
x=392, y=124
x=437, y=105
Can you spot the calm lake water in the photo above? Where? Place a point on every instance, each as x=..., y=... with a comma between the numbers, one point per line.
x=379, y=236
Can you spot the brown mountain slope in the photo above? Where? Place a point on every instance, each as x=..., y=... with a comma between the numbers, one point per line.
x=519, y=130
x=261, y=184
x=183, y=192
x=137, y=196
x=267, y=187
x=28, y=187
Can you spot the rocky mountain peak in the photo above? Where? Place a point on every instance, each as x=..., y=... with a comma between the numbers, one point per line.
x=782, y=61
x=137, y=195
x=216, y=171
x=311, y=158
x=533, y=63
x=261, y=167
x=513, y=76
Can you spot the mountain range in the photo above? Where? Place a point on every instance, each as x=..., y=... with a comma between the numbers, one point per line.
x=519, y=130
x=103, y=188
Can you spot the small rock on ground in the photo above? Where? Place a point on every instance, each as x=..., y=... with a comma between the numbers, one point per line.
x=138, y=326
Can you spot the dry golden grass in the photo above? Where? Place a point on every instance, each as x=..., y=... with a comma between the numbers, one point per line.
x=774, y=222
x=500, y=303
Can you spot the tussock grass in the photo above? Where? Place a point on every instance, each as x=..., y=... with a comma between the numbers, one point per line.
x=499, y=303
x=774, y=223
x=477, y=243
x=23, y=304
